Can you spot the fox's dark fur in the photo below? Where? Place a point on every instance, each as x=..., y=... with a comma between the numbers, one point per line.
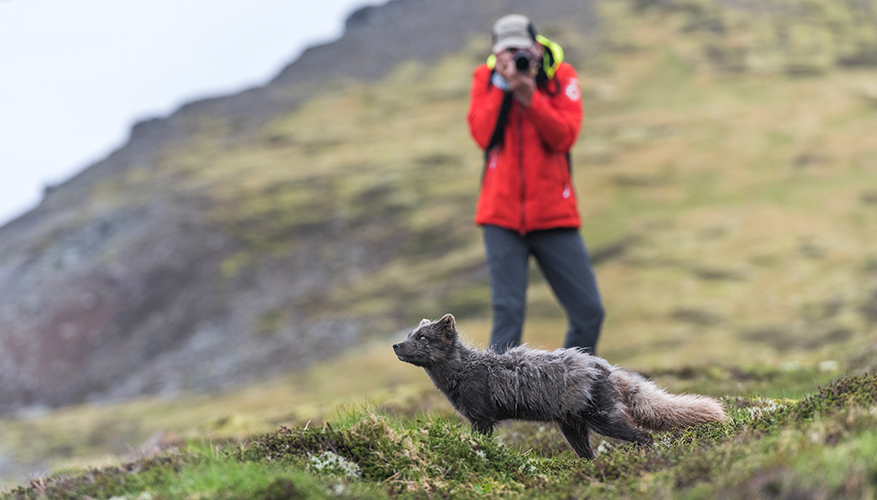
x=578, y=391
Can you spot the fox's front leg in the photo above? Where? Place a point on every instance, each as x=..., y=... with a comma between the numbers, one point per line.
x=482, y=427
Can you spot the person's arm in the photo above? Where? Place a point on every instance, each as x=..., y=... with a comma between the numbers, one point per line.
x=559, y=118
x=483, y=106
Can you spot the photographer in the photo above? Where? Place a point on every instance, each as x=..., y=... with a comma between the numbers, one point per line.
x=525, y=112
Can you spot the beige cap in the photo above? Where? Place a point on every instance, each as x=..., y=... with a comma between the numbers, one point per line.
x=513, y=30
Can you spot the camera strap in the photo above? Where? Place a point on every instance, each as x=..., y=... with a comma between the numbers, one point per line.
x=502, y=119
x=498, y=136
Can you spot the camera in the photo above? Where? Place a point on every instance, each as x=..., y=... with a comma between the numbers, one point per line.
x=522, y=61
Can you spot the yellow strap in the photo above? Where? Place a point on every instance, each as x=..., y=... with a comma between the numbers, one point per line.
x=556, y=51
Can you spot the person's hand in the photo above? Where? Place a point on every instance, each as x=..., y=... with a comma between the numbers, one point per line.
x=521, y=84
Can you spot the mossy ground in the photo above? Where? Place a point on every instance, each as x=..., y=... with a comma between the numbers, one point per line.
x=727, y=193
x=819, y=447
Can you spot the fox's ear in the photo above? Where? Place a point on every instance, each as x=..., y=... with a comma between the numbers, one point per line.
x=448, y=321
x=424, y=322
x=448, y=328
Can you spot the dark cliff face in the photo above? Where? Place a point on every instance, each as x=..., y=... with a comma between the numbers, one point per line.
x=376, y=38
x=114, y=286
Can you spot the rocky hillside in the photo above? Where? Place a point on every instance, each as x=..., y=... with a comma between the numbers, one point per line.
x=163, y=268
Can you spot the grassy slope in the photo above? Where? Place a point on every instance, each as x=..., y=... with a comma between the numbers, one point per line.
x=821, y=447
x=732, y=214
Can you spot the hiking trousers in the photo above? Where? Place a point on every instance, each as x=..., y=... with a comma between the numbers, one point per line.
x=563, y=259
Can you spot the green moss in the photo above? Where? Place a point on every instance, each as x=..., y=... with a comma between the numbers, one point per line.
x=426, y=450
x=137, y=476
x=823, y=444
x=845, y=392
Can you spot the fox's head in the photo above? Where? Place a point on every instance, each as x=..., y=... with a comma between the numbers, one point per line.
x=429, y=343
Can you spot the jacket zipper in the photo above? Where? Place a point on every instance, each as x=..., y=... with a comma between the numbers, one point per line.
x=519, y=119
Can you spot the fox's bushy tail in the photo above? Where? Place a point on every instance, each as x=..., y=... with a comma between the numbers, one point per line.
x=653, y=408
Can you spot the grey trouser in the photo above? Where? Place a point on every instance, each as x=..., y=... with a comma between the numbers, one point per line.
x=564, y=261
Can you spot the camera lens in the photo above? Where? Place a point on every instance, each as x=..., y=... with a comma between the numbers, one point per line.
x=522, y=62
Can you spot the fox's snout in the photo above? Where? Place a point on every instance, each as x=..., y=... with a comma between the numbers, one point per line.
x=402, y=351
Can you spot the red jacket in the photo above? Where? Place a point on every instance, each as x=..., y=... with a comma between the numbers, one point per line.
x=527, y=184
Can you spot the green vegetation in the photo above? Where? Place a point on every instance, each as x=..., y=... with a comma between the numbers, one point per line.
x=726, y=184
x=820, y=447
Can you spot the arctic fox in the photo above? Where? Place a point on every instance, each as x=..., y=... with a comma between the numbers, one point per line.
x=578, y=391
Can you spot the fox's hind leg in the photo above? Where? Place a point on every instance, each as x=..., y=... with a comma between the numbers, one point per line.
x=578, y=436
x=617, y=425
x=606, y=415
